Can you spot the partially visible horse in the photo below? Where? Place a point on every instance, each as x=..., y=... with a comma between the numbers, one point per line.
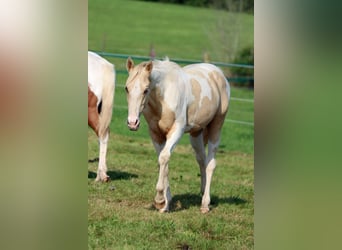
x=174, y=100
x=101, y=86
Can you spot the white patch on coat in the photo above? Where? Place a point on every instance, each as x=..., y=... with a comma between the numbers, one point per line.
x=96, y=64
x=134, y=108
x=203, y=79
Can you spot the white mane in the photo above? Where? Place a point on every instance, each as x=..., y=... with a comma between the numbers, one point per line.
x=161, y=69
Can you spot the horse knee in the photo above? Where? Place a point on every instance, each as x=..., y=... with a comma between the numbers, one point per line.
x=103, y=139
x=164, y=158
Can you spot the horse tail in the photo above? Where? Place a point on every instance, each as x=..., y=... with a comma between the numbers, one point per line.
x=107, y=100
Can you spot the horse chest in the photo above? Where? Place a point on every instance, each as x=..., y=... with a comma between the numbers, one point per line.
x=159, y=117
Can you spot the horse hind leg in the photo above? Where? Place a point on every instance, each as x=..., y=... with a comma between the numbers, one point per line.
x=197, y=142
x=93, y=114
x=93, y=122
x=214, y=132
x=102, y=168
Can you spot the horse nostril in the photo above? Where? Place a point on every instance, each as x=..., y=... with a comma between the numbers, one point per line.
x=136, y=122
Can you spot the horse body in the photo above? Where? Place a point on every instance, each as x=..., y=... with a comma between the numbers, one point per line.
x=176, y=100
x=101, y=85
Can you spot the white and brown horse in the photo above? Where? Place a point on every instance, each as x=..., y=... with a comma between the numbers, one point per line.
x=174, y=100
x=101, y=86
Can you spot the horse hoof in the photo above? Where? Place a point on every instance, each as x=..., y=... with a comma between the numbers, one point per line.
x=163, y=211
x=204, y=210
x=106, y=179
x=160, y=205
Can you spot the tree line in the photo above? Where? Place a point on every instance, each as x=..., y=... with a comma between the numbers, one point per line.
x=229, y=5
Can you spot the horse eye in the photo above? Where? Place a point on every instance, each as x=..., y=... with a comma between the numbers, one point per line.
x=145, y=91
x=126, y=89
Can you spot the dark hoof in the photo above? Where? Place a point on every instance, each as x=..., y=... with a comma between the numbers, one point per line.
x=106, y=179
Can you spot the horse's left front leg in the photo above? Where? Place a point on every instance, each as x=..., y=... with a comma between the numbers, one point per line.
x=163, y=196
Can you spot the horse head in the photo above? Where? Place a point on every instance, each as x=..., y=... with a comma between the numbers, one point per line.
x=137, y=90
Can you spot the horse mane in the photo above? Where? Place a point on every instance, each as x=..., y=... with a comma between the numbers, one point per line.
x=162, y=68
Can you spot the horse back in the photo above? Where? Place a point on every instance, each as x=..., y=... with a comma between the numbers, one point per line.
x=98, y=69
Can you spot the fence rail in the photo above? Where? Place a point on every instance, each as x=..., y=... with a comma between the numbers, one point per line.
x=231, y=98
x=181, y=61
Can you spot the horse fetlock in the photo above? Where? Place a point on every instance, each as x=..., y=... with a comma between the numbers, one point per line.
x=159, y=197
x=205, y=204
x=162, y=202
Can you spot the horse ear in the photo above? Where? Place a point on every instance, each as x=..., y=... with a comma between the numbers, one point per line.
x=149, y=67
x=129, y=64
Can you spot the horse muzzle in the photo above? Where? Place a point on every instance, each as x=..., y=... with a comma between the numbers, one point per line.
x=134, y=124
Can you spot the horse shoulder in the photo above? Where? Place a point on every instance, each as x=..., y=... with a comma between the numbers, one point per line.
x=158, y=113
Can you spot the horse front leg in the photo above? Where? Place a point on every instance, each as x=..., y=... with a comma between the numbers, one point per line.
x=163, y=196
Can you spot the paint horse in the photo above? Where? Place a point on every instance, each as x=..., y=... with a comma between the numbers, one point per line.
x=101, y=85
x=174, y=100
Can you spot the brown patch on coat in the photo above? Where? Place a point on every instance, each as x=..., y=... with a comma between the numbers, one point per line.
x=214, y=128
x=221, y=85
x=201, y=111
x=93, y=115
x=159, y=117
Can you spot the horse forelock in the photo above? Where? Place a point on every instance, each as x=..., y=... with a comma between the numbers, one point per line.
x=135, y=73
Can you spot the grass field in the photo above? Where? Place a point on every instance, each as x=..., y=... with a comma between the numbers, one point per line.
x=130, y=27
x=120, y=213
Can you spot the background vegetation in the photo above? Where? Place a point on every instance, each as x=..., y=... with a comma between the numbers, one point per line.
x=230, y=5
x=120, y=213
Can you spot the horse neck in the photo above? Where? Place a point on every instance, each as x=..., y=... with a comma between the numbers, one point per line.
x=169, y=86
x=162, y=72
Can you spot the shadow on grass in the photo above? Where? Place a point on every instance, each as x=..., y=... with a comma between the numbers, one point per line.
x=114, y=175
x=93, y=160
x=185, y=201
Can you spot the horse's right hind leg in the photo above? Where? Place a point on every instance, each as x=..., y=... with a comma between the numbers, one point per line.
x=102, y=168
x=93, y=122
x=214, y=132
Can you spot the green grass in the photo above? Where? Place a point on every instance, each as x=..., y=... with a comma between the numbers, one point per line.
x=120, y=213
x=130, y=27
x=123, y=217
